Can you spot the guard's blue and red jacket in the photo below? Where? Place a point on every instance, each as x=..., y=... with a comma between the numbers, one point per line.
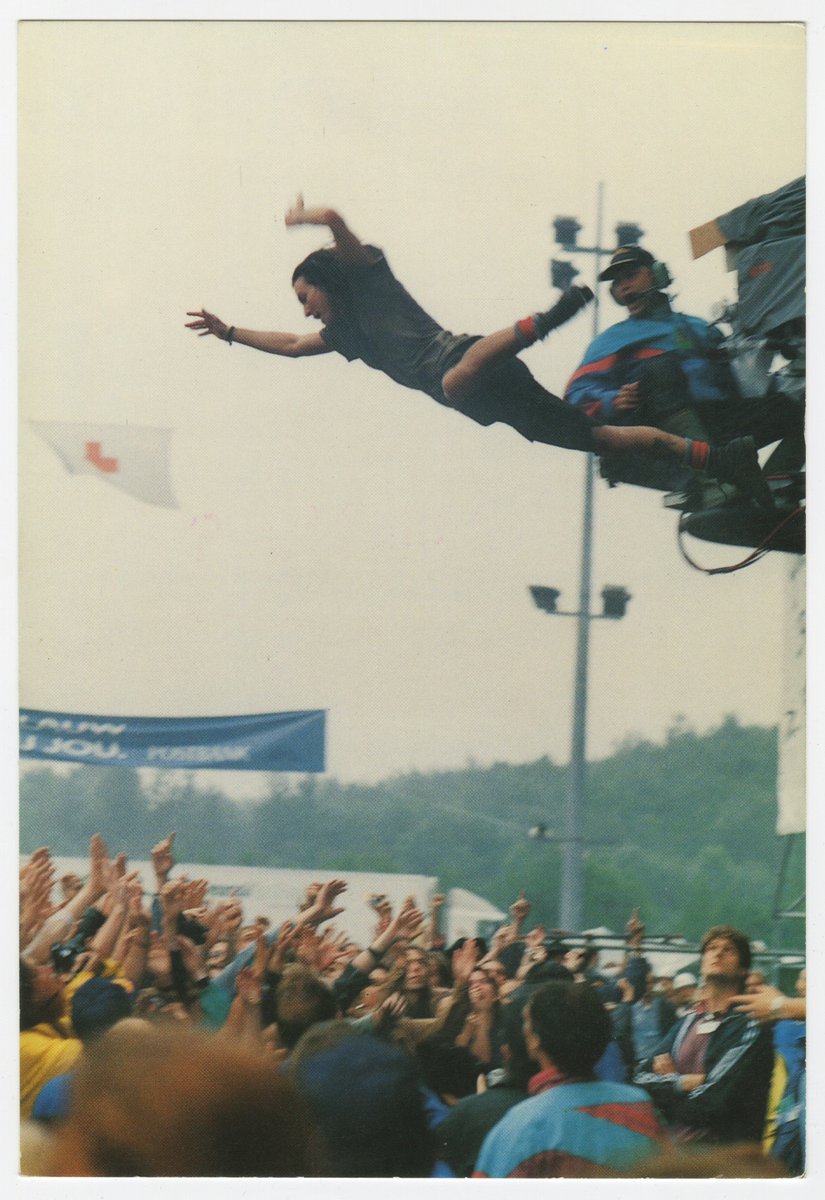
x=618, y=356
x=570, y=1128
x=730, y=1105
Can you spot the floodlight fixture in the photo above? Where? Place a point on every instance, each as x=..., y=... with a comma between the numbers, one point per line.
x=545, y=598
x=628, y=233
x=614, y=602
x=566, y=229
x=562, y=274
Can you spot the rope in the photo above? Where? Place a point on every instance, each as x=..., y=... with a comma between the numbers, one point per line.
x=759, y=552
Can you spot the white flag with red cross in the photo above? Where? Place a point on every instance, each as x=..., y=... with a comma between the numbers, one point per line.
x=132, y=457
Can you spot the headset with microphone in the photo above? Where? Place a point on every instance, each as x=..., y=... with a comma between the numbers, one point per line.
x=662, y=278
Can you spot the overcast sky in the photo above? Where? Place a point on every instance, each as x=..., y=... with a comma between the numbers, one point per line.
x=343, y=543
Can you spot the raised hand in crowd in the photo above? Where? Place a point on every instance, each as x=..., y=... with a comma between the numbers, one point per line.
x=504, y=936
x=213, y=918
x=536, y=937
x=634, y=931
x=133, y=948
x=172, y=899
x=98, y=860
x=404, y=926
x=323, y=907
x=435, y=937
x=287, y=937
x=260, y=960
x=510, y=932
x=310, y=896
x=408, y=922
x=518, y=911
x=163, y=859
x=535, y=951
x=230, y=924
x=124, y=913
x=194, y=896
x=36, y=882
x=464, y=961
x=383, y=910
x=244, y=1021
x=330, y=949
x=61, y=923
x=389, y=1011
x=70, y=885
x=39, y=860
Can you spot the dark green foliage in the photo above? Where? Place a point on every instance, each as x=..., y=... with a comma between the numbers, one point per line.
x=691, y=826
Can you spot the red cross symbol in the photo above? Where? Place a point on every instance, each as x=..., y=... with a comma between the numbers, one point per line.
x=95, y=456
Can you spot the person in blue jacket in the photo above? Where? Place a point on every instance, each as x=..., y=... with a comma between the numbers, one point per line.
x=665, y=369
x=573, y=1124
x=657, y=365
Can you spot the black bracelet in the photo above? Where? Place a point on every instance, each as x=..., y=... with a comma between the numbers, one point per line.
x=230, y=333
x=376, y=954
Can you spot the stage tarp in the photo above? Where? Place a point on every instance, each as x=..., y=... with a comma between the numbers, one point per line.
x=288, y=741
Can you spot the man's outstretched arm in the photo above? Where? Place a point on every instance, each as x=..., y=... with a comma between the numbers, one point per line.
x=290, y=345
x=348, y=247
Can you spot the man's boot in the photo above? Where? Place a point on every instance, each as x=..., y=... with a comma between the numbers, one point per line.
x=701, y=492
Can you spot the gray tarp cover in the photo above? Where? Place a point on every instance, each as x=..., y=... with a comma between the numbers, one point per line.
x=771, y=285
x=770, y=231
x=768, y=218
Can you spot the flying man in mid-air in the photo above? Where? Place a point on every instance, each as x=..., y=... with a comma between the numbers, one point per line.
x=366, y=314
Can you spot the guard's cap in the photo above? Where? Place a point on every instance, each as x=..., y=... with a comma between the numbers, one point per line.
x=624, y=256
x=684, y=979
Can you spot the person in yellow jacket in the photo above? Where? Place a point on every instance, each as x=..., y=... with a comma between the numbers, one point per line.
x=47, y=1046
x=50, y=1047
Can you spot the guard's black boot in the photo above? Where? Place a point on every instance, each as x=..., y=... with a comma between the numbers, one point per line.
x=737, y=462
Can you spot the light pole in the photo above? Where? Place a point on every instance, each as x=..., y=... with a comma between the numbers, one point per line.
x=570, y=902
x=614, y=605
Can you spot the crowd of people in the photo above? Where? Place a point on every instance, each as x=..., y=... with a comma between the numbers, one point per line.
x=173, y=1034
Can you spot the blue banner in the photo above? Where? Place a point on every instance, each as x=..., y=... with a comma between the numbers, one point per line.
x=291, y=741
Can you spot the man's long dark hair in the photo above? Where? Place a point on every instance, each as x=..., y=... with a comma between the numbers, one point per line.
x=737, y=938
x=323, y=269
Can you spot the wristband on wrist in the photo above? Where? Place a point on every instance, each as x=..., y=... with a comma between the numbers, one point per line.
x=230, y=335
x=525, y=331
x=376, y=954
x=776, y=1005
